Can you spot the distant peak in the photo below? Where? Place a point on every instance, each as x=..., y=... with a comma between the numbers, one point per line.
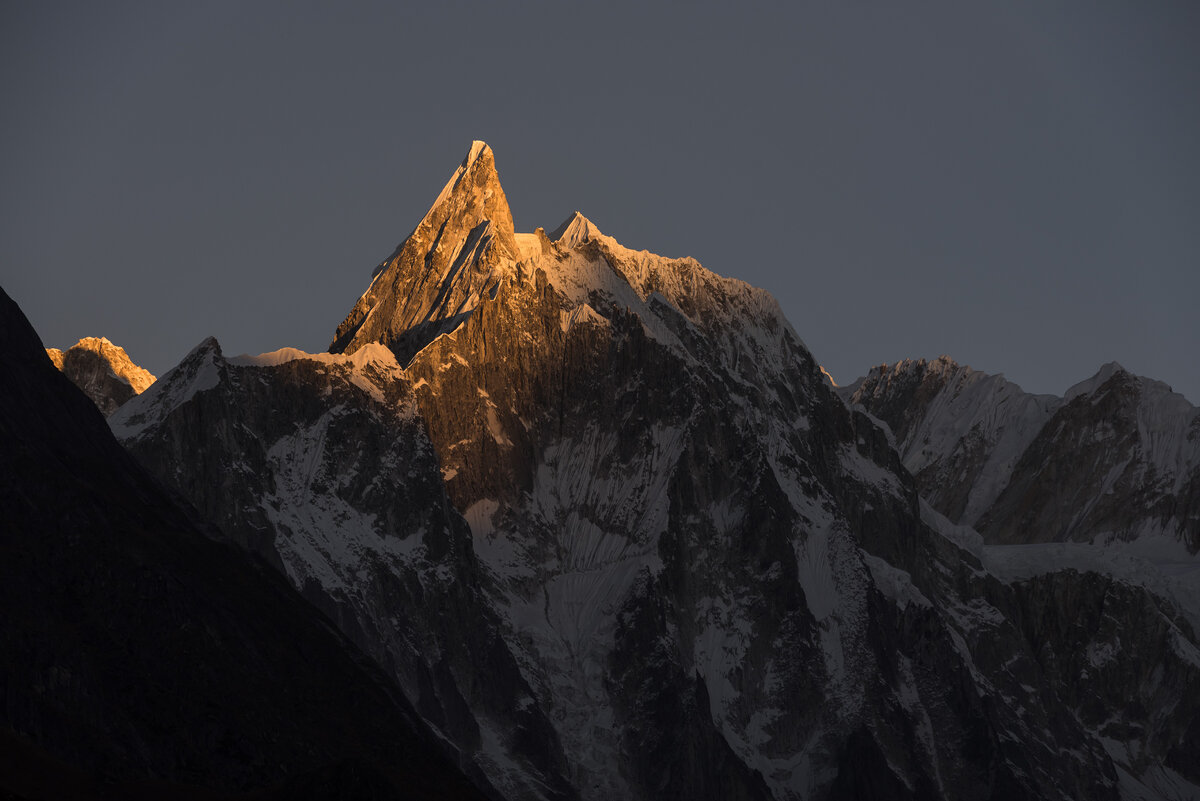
x=93, y=343
x=1090, y=385
x=206, y=346
x=102, y=370
x=575, y=230
x=112, y=354
x=942, y=365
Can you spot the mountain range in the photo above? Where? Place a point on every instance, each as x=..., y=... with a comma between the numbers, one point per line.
x=599, y=525
x=1116, y=459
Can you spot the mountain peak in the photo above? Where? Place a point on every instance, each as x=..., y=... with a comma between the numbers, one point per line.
x=200, y=370
x=454, y=258
x=465, y=253
x=207, y=345
x=575, y=230
x=102, y=370
x=1090, y=385
x=474, y=192
x=911, y=370
x=478, y=147
x=945, y=360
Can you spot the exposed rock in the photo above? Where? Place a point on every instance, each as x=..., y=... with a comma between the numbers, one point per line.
x=1085, y=628
x=452, y=260
x=102, y=370
x=958, y=430
x=1120, y=459
x=1117, y=458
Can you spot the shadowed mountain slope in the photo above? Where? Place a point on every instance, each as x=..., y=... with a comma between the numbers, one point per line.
x=1116, y=459
x=148, y=658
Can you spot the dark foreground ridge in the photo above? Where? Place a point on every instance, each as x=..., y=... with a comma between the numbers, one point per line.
x=138, y=658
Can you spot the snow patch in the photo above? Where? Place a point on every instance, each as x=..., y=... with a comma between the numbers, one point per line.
x=894, y=583
x=201, y=370
x=371, y=353
x=323, y=537
x=965, y=537
x=1090, y=385
x=1160, y=564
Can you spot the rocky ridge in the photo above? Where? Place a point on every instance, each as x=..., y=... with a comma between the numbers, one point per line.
x=343, y=494
x=453, y=259
x=713, y=579
x=102, y=370
x=1116, y=459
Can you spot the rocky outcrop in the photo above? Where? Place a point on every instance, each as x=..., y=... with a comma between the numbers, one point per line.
x=452, y=260
x=1120, y=459
x=102, y=370
x=1116, y=459
x=140, y=659
x=1084, y=627
x=715, y=579
x=958, y=430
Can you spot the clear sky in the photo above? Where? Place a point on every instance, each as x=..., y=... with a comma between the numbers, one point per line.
x=1015, y=184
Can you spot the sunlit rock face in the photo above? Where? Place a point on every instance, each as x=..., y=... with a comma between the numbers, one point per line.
x=1116, y=459
x=453, y=259
x=639, y=546
x=102, y=370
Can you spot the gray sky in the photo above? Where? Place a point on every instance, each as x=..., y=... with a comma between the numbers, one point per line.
x=1015, y=184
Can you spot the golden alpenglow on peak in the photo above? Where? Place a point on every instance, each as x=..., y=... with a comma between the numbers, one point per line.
x=454, y=257
x=102, y=370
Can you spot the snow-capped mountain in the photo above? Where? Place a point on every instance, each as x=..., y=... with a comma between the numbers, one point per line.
x=1116, y=459
x=102, y=370
x=408, y=304
x=607, y=524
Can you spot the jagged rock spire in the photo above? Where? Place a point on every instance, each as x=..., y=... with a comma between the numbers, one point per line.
x=438, y=275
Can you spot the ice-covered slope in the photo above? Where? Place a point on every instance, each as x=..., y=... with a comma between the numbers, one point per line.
x=1117, y=458
x=715, y=578
x=102, y=370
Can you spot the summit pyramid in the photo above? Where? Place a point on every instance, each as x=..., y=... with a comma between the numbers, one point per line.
x=440, y=273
